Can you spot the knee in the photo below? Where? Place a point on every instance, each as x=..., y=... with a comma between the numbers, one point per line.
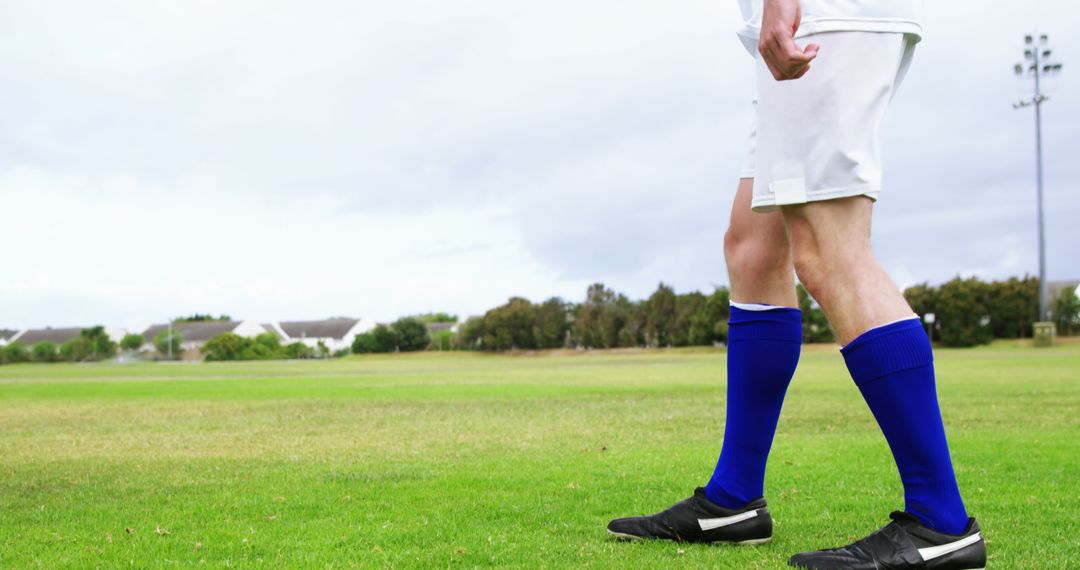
x=734, y=242
x=751, y=258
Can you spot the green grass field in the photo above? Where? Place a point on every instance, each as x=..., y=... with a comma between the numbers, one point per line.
x=443, y=460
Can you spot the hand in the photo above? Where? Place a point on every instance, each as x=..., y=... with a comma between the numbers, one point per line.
x=777, y=45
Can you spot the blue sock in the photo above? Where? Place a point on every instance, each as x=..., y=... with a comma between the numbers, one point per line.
x=763, y=350
x=893, y=365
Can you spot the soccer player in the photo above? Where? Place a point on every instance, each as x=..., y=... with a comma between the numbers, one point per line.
x=804, y=202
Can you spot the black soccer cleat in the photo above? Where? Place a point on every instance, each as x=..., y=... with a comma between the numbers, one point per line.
x=698, y=519
x=903, y=543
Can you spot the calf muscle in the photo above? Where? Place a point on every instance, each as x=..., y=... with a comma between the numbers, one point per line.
x=835, y=262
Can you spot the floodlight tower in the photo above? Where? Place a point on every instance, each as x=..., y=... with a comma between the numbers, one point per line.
x=1038, y=63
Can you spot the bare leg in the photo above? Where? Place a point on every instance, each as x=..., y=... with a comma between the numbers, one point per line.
x=758, y=254
x=763, y=349
x=835, y=262
x=892, y=365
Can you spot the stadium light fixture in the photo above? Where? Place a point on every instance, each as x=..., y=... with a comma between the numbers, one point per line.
x=1039, y=66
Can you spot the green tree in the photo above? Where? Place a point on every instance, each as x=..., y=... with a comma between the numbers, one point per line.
x=163, y=340
x=607, y=319
x=379, y=339
x=132, y=341
x=73, y=350
x=386, y=338
x=429, y=318
x=510, y=326
x=687, y=307
x=199, y=317
x=1013, y=306
x=963, y=313
x=922, y=298
x=363, y=343
x=297, y=351
x=97, y=344
x=550, y=325
x=1065, y=311
x=44, y=351
x=15, y=353
x=471, y=334
x=710, y=324
x=660, y=316
x=253, y=350
x=588, y=327
x=442, y=340
x=271, y=341
x=626, y=321
x=412, y=334
x=226, y=346
x=616, y=322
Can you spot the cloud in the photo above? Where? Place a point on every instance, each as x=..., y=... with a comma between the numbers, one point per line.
x=299, y=160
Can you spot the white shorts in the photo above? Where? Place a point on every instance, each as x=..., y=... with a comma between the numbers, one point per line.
x=818, y=137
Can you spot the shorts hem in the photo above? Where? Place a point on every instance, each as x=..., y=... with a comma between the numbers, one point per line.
x=832, y=25
x=768, y=204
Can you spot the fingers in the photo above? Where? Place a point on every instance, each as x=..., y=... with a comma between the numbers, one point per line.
x=776, y=73
x=784, y=58
x=810, y=52
x=767, y=49
x=793, y=54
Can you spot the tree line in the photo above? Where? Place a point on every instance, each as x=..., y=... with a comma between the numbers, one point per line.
x=970, y=312
x=608, y=319
x=966, y=312
x=92, y=344
x=265, y=346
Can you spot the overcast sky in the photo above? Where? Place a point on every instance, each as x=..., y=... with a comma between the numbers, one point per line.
x=300, y=160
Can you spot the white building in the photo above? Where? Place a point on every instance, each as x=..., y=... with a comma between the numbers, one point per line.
x=1055, y=289
x=194, y=334
x=5, y=336
x=30, y=337
x=335, y=334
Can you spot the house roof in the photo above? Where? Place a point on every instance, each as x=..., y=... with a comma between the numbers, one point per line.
x=199, y=331
x=270, y=328
x=6, y=334
x=328, y=328
x=1055, y=288
x=55, y=336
